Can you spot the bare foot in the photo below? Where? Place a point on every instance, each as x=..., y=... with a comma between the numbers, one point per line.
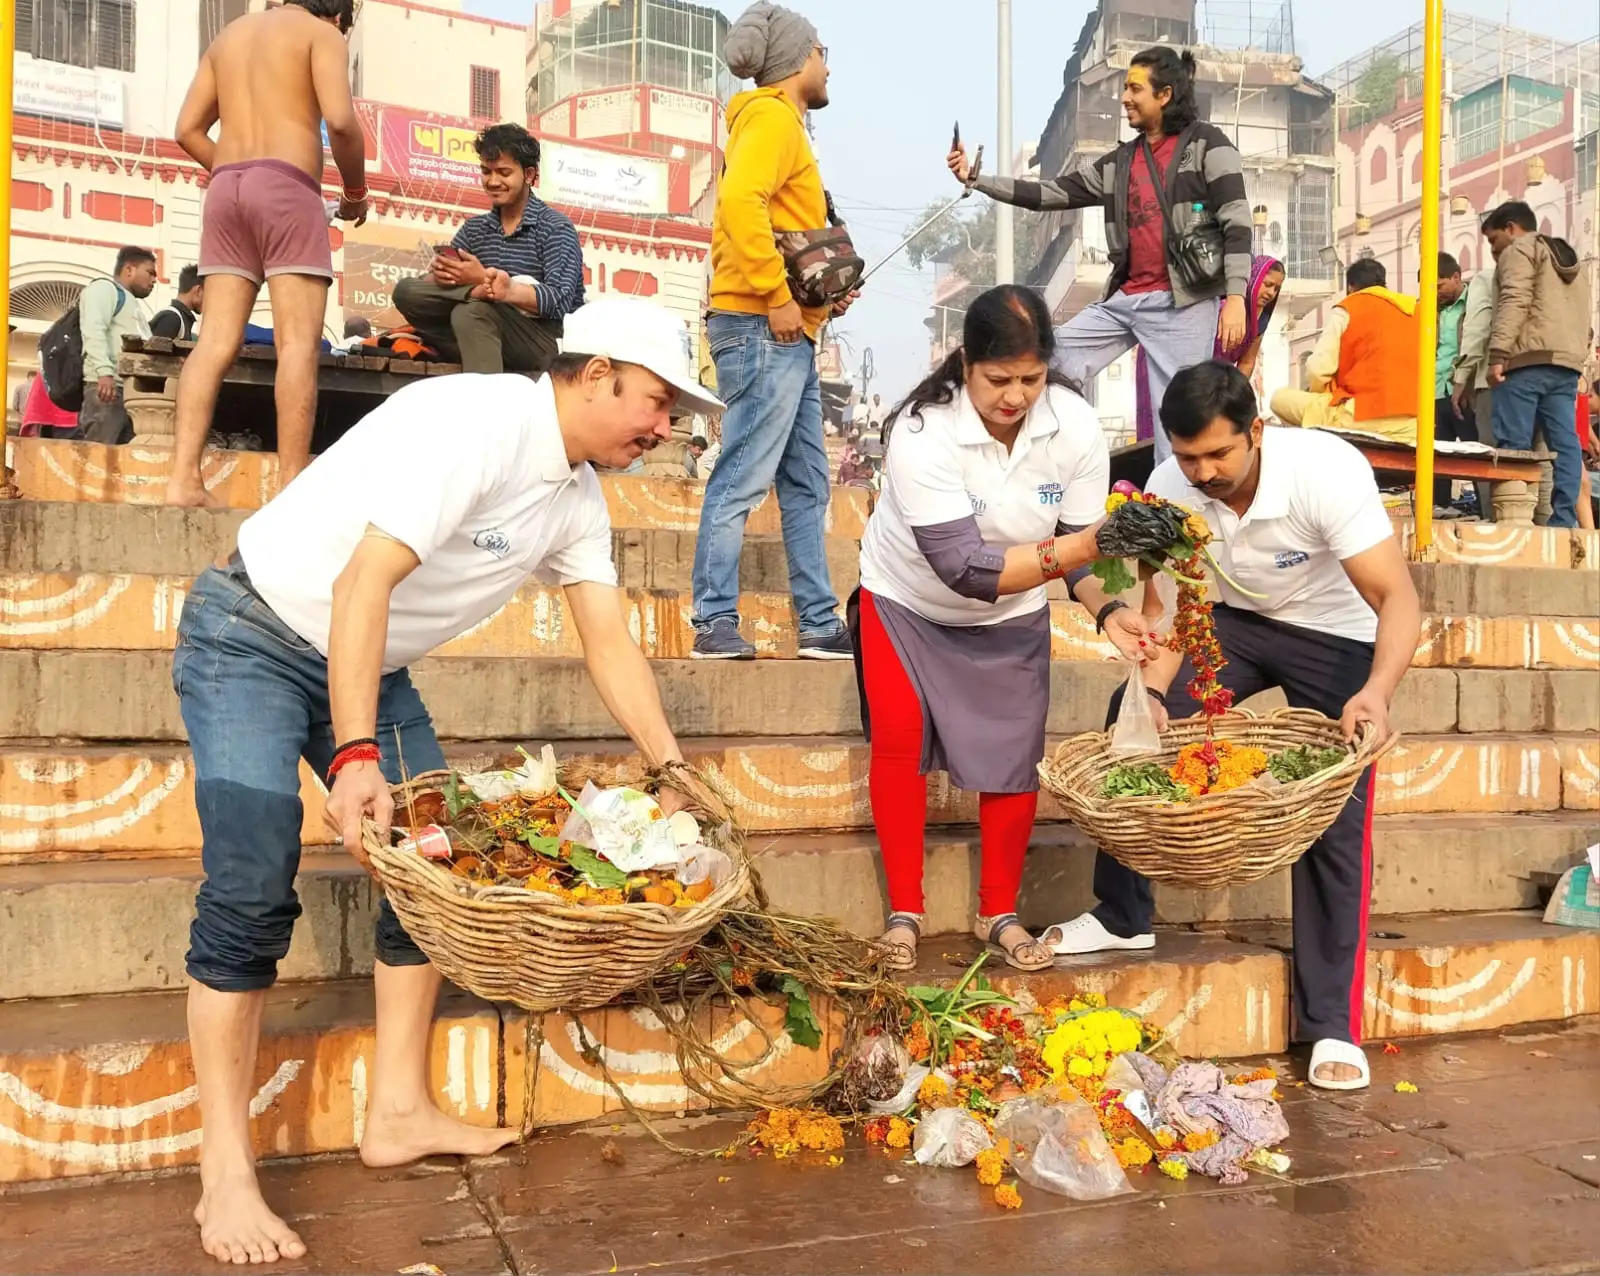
x=1337, y=1072
x=237, y=1227
x=190, y=493
x=395, y=1138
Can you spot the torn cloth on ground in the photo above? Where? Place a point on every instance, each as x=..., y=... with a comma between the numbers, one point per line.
x=1196, y=1097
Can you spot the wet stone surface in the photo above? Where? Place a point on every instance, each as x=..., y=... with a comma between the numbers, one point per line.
x=1493, y=1165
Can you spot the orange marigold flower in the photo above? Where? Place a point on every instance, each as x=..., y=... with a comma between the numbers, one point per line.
x=1133, y=1152
x=1260, y=1074
x=934, y=1092
x=917, y=1044
x=876, y=1130
x=1167, y=1139
x=1198, y=1140
x=1007, y=1197
x=990, y=1163
x=899, y=1135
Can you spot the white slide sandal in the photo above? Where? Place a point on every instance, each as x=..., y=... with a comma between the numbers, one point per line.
x=1332, y=1050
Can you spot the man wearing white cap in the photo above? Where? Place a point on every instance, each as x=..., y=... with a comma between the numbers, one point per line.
x=419, y=523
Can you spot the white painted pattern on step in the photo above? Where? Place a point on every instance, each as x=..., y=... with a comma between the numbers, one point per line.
x=48, y=770
x=358, y=1099
x=130, y=1117
x=455, y=1068
x=1455, y=1019
x=80, y=617
x=49, y=819
x=1453, y=992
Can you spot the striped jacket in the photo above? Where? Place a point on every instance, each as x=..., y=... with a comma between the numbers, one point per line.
x=1205, y=185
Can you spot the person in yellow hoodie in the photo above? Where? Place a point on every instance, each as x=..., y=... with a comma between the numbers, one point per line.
x=763, y=342
x=1354, y=381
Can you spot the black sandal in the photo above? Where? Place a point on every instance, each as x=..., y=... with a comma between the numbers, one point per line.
x=989, y=929
x=898, y=955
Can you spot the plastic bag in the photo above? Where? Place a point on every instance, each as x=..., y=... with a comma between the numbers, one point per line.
x=535, y=778
x=624, y=825
x=877, y=1068
x=949, y=1138
x=905, y=1096
x=1057, y=1145
x=1135, y=727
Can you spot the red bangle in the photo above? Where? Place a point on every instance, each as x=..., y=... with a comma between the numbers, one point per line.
x=359, y=193
x=1049, y=564
x=357, y=751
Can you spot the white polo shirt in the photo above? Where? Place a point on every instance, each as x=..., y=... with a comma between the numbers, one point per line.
x=470, y=472
x=947, y=466
x=1316, y=504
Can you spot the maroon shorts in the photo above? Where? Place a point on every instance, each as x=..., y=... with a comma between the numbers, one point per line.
x=262, y=218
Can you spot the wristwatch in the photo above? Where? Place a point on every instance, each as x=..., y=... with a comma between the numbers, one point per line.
x=1116, y=604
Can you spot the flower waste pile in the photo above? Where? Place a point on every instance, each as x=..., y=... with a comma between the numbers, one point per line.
x=1215, y=766
x=1070, y=1097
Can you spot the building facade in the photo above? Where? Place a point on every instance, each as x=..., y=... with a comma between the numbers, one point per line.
x=1520, y=122
x=94, y=166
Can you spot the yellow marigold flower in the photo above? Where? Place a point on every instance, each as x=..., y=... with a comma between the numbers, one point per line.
x=1198, y=1140
x=990, y=1163
x=1007, y=1197
x=1115, y=502
x=1132, y=1152
x=1405, y=1087
x=1079, y=1067
x=1174, y=1168
x=899, y=1135
x=1167, y=1139
x=934, y=1092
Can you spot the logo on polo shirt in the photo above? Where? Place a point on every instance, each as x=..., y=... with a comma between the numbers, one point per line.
x=978, y=506
x=1049, y=493
x=493, y=540
x=1290, y=558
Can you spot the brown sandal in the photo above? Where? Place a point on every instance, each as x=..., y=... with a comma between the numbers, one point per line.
x=989, y=929
x=899, y=956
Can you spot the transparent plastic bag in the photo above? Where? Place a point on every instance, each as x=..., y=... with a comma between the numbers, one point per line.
x=949, y=1138
x=1057, y=1144
x=1135, y=728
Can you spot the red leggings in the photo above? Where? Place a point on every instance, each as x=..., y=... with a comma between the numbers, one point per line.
x=900, y=791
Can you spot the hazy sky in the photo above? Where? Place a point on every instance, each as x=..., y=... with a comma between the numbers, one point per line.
x=905, y=70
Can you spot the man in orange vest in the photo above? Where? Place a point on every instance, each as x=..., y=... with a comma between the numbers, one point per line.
x=1362, y=375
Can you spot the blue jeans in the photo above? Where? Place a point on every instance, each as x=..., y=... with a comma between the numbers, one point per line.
x=1544, y=400
x=771, y=434
x=254, y=696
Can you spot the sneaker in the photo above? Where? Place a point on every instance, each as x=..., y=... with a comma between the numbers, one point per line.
x=834, y=646
x=720, y=640
x=1085, y=934
x=1444, y=513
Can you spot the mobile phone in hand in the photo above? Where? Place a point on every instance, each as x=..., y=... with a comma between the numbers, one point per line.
x=955, y=136
x=448, y=251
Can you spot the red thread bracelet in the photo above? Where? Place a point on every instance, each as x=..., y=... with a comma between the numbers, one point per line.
x=1049, y=564
x=359, y=751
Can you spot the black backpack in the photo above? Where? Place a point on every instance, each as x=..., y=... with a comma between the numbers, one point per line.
x=61, y=354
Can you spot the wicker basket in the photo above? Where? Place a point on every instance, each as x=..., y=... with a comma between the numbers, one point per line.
x=505, y=943
x=1225, y=838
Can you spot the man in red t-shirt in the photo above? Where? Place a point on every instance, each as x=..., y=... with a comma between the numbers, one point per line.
x=1177, y=309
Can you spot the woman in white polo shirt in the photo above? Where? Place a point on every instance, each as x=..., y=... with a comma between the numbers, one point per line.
x=995, y=469
x=1332, y=618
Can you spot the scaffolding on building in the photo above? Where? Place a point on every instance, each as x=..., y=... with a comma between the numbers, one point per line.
x=1479, y=52
x=1266, y=26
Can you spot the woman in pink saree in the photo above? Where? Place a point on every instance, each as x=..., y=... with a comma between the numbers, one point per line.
x=1266, y=281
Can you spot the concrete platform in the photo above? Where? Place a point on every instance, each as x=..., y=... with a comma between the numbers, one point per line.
x=1505, y=545
x=103, y=1084
x=1489, y=1168
x=56, y=470
x=99, y=925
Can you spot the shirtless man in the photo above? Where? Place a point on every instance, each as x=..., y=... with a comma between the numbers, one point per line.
x=272, y=79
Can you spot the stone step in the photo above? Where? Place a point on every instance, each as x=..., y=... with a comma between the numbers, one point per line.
x=1506, y=545
x=57, y=470
x=60, y=931
x=127, y=695
x=76, y=537
x=61, y=803
x=102, y=1084
x=139, y=612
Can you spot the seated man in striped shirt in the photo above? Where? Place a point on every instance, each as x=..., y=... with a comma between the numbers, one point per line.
x=496, y=296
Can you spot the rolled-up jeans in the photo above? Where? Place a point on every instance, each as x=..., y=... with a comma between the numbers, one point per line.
x=254, y=696
x=771, y=436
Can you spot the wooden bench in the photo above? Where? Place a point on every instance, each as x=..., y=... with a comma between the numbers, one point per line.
x=348, y=387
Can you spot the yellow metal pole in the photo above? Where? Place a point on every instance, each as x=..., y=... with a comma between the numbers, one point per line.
x=1428, y=286
x=8, y=49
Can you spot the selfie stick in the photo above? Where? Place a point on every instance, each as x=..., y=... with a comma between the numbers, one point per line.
x=972, y=177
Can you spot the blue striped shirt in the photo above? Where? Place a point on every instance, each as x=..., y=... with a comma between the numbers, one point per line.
x=544, y=246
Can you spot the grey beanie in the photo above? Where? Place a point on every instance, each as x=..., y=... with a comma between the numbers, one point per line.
x=768, y=43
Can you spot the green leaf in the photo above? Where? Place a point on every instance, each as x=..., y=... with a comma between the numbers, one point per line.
x=457, y=799
x=1113, y=575
x=801, y=1020
x=599, y=873
x=550, y=846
